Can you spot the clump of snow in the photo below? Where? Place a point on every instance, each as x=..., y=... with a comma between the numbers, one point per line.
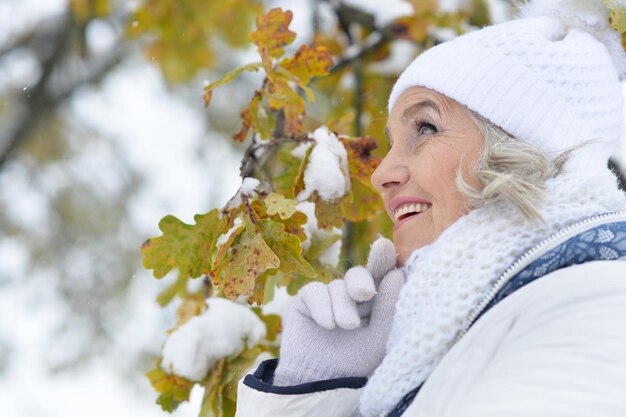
x=300, y=150
x=225, y=329
x=327, y=170
x=248, y=185
x=223, y=238
x=329, y=257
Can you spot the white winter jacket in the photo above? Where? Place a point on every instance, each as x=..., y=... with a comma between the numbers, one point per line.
x=555, y=347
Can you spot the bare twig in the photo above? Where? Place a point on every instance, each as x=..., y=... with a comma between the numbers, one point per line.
x=40, y=100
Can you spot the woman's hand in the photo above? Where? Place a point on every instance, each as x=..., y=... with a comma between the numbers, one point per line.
x=341, y=329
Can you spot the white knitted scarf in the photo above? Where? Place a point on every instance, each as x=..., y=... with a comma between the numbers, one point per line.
x=447, y=279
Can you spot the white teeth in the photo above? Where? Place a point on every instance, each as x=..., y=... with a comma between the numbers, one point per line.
x=409, y=208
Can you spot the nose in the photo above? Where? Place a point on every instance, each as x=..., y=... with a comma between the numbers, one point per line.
x=391, y=173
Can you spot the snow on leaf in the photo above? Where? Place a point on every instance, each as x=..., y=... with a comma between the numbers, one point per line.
x=246, y=261
x=278, y=204
x=273, y=33
x=327, y=172
x=185, y=247
x=225, y=329
x=248, y=185
x=308, y=62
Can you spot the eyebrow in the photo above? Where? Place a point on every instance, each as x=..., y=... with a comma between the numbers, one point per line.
x=409, y=111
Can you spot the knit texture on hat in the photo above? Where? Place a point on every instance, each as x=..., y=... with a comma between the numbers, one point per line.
x=447, y=279
x=551, y=78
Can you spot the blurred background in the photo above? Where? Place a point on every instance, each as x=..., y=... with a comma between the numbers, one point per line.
x=102, y=133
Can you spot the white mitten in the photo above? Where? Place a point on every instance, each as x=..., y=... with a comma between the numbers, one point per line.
x=341, y=329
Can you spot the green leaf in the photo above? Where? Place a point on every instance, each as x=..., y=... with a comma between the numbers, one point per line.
x=168, y=294
x=329, y=213
x=173, y=389
x=246, y=261
x=208, y=90
x=363, y=203
x=288, y=249
x=618, y=19
x=186, y=247
x=278, y=204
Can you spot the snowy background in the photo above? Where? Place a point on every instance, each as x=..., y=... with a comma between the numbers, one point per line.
x=154, y=153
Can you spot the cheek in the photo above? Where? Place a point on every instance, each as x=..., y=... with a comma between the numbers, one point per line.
x=438, y=179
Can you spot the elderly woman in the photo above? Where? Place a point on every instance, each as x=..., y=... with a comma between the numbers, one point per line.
x=503, y=293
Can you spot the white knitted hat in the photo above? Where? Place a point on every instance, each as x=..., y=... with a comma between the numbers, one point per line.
x=550, y=78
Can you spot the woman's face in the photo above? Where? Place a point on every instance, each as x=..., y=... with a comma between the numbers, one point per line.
x=431, y=136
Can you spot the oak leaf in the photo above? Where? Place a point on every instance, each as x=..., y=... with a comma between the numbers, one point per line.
x=288, y=249
x=278, y=204
x=173, y=389
x=186, y=247
x=308, y=62
x=272, y=33
x=246, y=261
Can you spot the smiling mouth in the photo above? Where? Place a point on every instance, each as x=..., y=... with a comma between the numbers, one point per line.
x=406, y=211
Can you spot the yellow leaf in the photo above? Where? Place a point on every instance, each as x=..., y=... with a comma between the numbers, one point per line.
x=617, y=18
x=192, y=305
x=361, y=162
x=246, y=261
x=273, y=33
x=329, y=213
x=308, y=62
x=260, y=117
x=278, y=204
x=281, y=96
x=363, y=203
x=173, y=389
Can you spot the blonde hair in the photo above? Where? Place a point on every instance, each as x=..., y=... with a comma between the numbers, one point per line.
x=509, y=169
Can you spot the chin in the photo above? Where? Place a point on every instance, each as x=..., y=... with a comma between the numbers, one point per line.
x=405, y=250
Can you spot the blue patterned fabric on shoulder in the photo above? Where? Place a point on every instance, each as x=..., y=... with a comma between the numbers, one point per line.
x=602, y=243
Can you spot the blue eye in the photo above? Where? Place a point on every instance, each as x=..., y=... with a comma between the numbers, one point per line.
x=420, y=125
